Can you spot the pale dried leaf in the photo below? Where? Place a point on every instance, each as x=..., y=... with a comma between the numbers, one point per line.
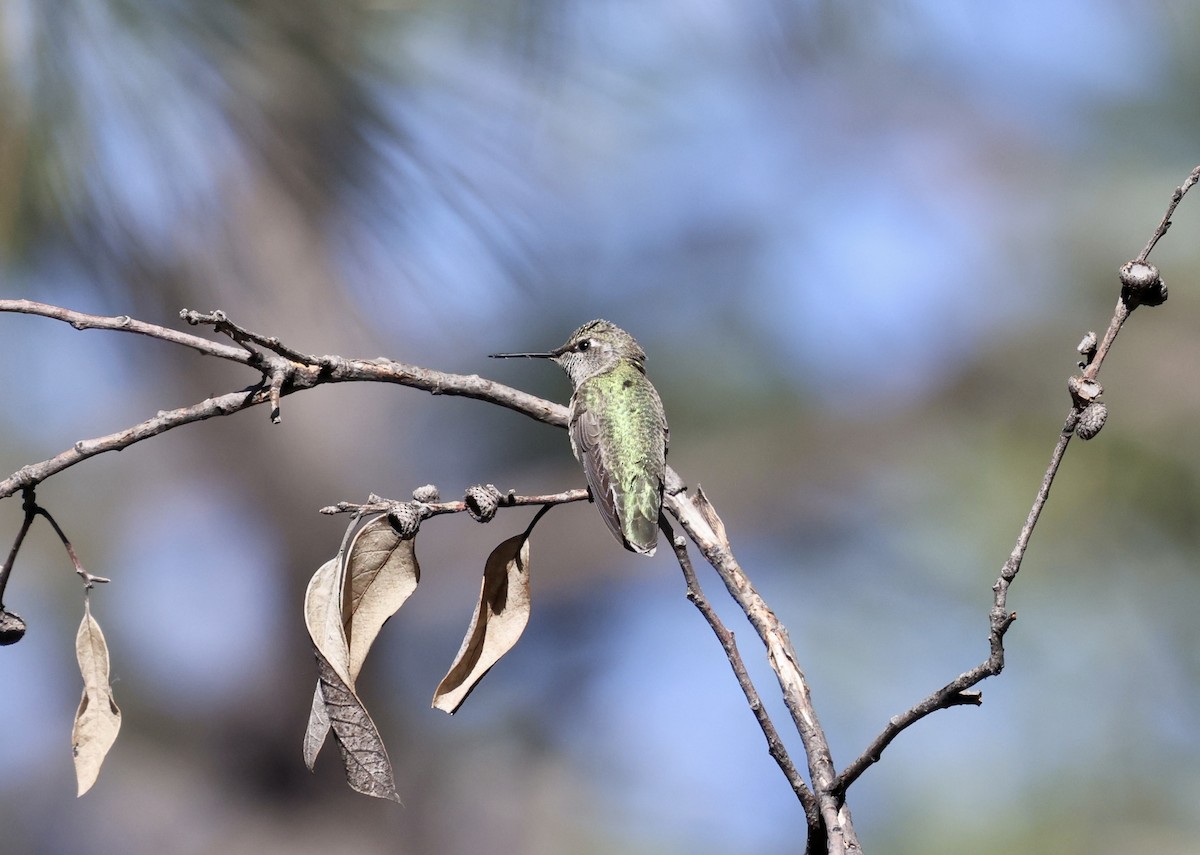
x=381, y=573
x=97, y=720
x=317, y=730
x=368, y=769
x=497, y=624
x=323, y=617
x=706, y=509
x=336, y=706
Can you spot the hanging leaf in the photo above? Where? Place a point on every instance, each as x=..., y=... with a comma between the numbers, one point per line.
x=381, y=573
x=336, y=707
x=329, y=643
x=97, y=720
x=317, y=730
x=323, y=614
x=364, y=758
x=499, y=620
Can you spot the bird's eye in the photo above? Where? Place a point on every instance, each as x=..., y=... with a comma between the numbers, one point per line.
x=584, y=345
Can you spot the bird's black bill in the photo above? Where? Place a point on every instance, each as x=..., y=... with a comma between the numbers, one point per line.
x=524, y=355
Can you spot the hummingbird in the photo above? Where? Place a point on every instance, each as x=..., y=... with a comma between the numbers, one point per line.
x=618, y=429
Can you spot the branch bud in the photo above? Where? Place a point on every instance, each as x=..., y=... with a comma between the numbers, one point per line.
x=1142, y=285
x=482, y=502
x=406, y=517
x=1087, y=348
x=12, y=627
x=1091, y=420
x=1084, y=391
x=428, y=493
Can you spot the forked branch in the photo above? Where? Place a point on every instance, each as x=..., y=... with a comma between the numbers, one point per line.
x=284, y=370
x=301, y=372
x=1141, y=285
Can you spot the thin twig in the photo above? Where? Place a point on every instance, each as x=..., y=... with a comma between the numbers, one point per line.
x=699, y=520
x=33, y=510
x=955, y=693
x=1165, y=223
x=30, y=507
x=89, y=581
x=334, y=369
x=35, y=473
x=221, y=323
x=775, y=746
x=1120, y=316
x=124, y=323
x=378, y=505
x=326, y=369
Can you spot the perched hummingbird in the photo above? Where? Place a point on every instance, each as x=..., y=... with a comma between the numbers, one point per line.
x=618, y=429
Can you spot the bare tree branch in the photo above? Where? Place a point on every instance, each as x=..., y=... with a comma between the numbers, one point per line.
x=1140, y=285
x=775, y=746
x=480, y=502
x=1165, y=223
x=700, y=521
x=284, y=370
x=124, y=323
x=316, y=371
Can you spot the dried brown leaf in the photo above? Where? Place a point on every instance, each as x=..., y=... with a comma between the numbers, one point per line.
x=329, y=640
x=497, y=624
x=364, y=758
x=381, y=573
x=97, y=721
x=317, y=730
x=323, y=616
x=336, y=706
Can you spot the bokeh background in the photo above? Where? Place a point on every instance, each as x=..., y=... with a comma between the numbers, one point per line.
x=859, y=242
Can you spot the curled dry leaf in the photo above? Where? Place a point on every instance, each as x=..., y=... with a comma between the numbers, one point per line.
x=345, y=607
x=97, y=720
x=364, y=758
x=318, y=726
x=322, y=616
x=381, y=573
x=499, y=620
